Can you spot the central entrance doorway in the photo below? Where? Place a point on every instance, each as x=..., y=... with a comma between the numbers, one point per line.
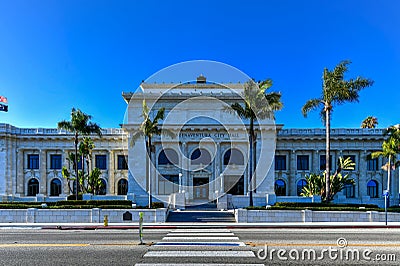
x=200, y=188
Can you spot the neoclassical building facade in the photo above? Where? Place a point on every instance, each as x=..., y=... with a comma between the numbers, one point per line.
x=204, y=154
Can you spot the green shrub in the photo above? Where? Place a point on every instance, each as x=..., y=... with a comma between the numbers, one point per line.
x=94, y=202
x=316, y=204
x=73, y=197
x=156, y=205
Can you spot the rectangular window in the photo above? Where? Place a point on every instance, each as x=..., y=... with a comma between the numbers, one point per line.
x=101, y=162
x=302, y=162
x=122, y=162
x=168, y=184
x=349, y=191
x=322, y=162
x=55, y=161
x=372, y=164
x=33, y=161
x=280, y=162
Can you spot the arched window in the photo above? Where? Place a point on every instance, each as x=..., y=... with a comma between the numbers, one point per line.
x=372, y=189
x=122, y=187
x=55, y=187
x=102, y=188
x=200, y=156
x=300, y=184
x=280, y=187
x=33, y=187
x=233, y=156
x=349, y=190
x=168, y=156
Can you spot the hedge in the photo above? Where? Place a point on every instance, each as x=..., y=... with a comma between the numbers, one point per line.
x=78, y=204
x=317, y=204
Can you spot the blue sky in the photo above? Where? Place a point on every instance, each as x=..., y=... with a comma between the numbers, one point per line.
x=55, y=55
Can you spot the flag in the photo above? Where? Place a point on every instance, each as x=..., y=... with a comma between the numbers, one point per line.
x=3, y=99
x=3, y=108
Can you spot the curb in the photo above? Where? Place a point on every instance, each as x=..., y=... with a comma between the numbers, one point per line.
x=199, y=226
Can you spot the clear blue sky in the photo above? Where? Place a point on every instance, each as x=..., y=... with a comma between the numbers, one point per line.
x=55, y=55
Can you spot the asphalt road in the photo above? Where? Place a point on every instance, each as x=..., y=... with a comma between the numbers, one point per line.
x=201, y=246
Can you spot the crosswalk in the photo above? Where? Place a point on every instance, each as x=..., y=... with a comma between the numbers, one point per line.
x=198, y=247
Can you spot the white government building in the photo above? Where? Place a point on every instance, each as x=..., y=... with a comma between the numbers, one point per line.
x=207, y=158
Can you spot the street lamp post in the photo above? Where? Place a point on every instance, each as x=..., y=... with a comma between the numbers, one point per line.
x=180, y=183
x=221, y=185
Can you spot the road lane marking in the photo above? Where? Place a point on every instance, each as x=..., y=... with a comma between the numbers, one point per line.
x=42, y=245
x=200, y=238
x=16, y=245
x=196, y=253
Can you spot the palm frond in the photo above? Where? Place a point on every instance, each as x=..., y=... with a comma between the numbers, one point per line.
x=159, y=115
x=311, y=105
x=66, y=125
x=239, y=109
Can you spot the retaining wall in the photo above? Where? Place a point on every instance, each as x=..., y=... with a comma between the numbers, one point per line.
x=294, y=216
x=96, y=215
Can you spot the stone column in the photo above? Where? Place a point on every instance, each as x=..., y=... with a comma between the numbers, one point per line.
x=315, y=162
x=292, y=174
x=20, y=182
x=361, y=183
x=111, y=172
x=217, y=161
x=43, y=172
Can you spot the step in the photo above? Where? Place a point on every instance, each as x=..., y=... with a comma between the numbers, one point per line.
x=194, y=216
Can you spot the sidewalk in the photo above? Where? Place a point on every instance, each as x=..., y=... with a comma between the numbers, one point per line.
x=121, y=226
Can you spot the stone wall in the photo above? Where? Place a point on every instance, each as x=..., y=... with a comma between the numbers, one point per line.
x=305, y=216
x=96, y=215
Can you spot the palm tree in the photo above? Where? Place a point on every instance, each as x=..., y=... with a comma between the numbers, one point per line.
x=390, y=150
x=369, y=122
x=79, y=125
x=149, y=128
x=335, y=91
x=316, y=183
x=258, y=104
x=85, y=149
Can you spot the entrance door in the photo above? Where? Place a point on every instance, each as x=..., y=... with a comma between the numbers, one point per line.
x=200, y=187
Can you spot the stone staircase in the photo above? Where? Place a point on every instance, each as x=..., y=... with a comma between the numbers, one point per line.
x=204, y=213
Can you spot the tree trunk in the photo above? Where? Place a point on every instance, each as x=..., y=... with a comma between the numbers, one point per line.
x=83, y=172
x=149, y=168
x=251, y=137
x=327, y=157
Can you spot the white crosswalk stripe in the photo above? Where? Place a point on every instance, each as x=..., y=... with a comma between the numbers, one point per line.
x=194, y=264
x=199, y=243
x=199, y=253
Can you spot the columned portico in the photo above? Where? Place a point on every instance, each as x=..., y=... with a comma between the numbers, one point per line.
x=210, y=144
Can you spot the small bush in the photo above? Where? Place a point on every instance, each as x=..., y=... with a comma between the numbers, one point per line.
x=156, y=205
x=316, y=204
x=73, y=197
